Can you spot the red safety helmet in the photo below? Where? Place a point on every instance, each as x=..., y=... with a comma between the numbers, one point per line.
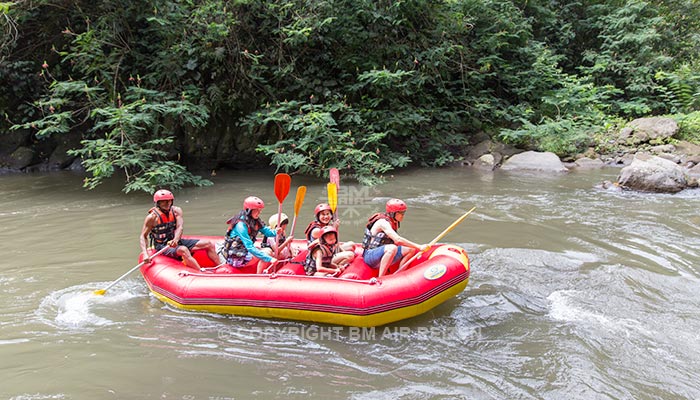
x=395, y=205
x=163, y=195
x=328, y=229
x=322, y=207
x=253, y=203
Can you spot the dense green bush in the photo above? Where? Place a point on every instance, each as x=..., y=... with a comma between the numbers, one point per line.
x=366, y=86
x=688, y=127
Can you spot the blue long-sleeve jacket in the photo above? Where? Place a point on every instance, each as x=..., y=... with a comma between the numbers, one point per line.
x=241, y=230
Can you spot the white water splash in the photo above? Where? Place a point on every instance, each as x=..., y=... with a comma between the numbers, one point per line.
x=38, y=396
x=75, y=308
x=563, y=310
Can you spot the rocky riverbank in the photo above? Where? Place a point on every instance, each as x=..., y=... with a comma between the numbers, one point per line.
x=650, y=158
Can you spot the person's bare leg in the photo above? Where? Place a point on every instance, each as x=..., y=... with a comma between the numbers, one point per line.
x=344, y=257
x=389, y=253
x=190, y=262
x=210, y=249
x=407, y=252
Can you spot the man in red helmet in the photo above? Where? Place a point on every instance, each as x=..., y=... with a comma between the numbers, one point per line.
x=163, y=227
x=239, y=245
x=383, y=246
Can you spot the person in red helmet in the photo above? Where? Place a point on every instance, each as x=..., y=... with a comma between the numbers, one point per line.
x=383, y=245
x=325, y=256
x=239, y=245
x=163, y=227
x=324, y=217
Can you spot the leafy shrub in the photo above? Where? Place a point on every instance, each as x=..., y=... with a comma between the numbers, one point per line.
x=689, y=127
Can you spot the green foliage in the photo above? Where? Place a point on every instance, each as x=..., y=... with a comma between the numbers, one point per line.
x=127, y=127
x=316, y=141
x=681, y=88
x=688, y=127
x=629, y=44
x=566, y=116
x=365, y=86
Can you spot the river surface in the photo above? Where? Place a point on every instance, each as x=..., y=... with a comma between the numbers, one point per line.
x=575, y=293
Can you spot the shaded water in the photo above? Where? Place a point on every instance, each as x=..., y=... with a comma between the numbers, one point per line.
x=574, y=293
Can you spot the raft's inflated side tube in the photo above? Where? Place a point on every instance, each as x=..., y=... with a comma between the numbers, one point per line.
x=436, y=276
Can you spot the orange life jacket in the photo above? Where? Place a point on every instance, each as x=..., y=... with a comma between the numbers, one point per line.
x=164, y=230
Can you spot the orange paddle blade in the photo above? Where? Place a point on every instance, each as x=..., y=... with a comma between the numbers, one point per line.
x=282, y=183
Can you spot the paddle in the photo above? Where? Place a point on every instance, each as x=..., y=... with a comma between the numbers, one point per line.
x=282, y=183
x=298, y=201
x=101, y=292
x=438, y=237
x=332, y=196
x=335, y=179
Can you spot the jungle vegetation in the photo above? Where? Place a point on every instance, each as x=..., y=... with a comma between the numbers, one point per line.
x=366, y=86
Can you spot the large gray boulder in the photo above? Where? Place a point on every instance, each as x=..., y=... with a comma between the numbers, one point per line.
x=588, y=163
x=649, y=173
x=534, y=161
x=644, y=130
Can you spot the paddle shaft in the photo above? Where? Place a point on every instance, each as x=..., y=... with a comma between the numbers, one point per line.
x=101, y=292
x=438, y=237
x=282, y=182
x=298, y=201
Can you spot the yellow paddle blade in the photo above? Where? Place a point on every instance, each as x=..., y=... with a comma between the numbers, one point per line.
x=332, y=196
x=99, y=292
x=299, y=200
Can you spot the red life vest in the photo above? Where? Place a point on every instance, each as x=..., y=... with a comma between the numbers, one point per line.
x=327, y=253
x=313, y=225
x=370, y=241
x=164, y=230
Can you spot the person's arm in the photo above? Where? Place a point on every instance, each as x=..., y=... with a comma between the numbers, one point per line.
x=286, y=243
x=269, y=232
x=143, y=239
x=318, y=256
x=384, y=226
x=241, y=230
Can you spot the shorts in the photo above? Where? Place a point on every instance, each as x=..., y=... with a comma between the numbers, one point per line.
x=373, y=256
x=172, y=251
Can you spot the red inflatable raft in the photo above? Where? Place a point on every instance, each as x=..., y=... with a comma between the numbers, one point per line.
x=356, y=298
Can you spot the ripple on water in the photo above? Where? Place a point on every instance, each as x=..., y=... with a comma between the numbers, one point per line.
x=39, y=396
x=620, y=322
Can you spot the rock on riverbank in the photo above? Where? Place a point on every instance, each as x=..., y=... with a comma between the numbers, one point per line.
x=651, y=160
